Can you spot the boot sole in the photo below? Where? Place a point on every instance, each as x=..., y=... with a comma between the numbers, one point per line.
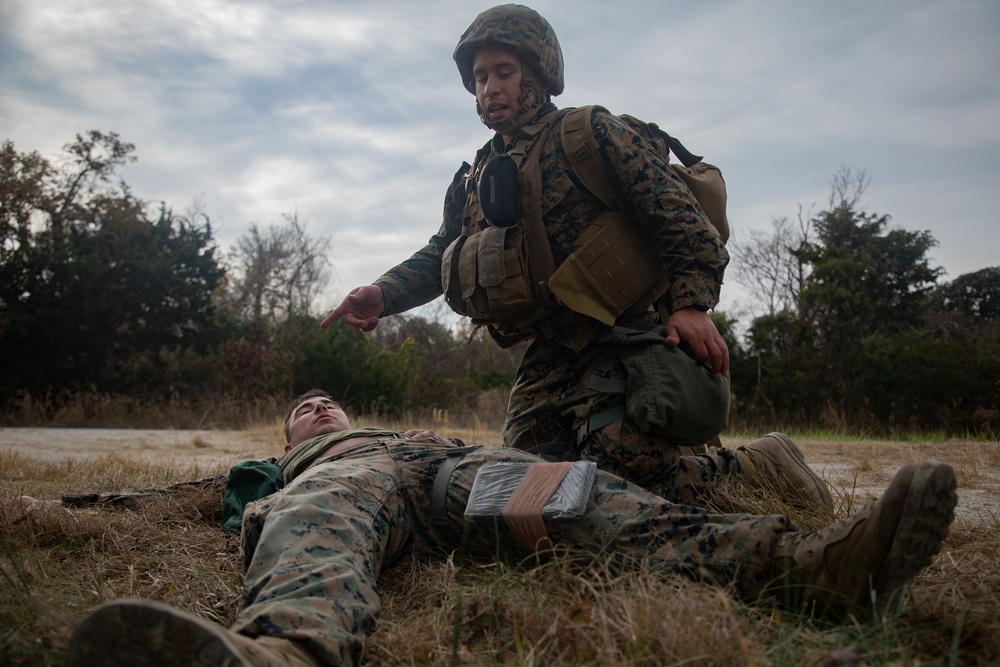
x=929, y=511
x=142, y=633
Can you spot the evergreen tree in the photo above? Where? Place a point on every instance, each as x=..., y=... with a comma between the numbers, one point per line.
x=95, y=293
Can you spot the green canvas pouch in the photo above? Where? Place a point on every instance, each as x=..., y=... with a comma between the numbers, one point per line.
x=249, y=481
x=669, y=392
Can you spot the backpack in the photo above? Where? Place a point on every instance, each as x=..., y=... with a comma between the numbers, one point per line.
x=614, y=268
x=704, y=180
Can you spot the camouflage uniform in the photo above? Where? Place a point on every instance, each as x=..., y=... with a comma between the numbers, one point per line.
x=662, y=203
x=551, y=396
x=315, y=549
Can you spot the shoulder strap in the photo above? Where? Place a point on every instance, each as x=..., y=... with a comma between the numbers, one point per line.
x=530, y=196
x=582, y=150
x=659, y=135
x=583, y=153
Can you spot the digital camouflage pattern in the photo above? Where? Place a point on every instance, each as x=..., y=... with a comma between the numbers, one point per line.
x=662, y=204
x=553, y=396
x=315, y=549
x=519, y=28
x=691, y=248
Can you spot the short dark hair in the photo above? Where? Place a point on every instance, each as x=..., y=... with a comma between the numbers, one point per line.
x=298, y=400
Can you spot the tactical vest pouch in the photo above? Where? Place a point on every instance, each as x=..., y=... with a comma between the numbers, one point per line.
x=497, y=274
x=606, y=275
x=613, y=268
x=493, y=275
x=449, y=275
x=669, y=393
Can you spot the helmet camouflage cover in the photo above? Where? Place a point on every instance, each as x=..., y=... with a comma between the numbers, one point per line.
x=519, y=28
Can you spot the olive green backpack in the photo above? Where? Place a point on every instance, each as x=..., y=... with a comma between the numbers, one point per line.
x=614, y=268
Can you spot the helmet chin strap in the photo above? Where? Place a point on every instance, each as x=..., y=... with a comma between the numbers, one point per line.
x=531, y=98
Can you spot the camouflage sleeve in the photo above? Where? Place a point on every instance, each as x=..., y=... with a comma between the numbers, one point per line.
x=691, y=247
x=417, y=280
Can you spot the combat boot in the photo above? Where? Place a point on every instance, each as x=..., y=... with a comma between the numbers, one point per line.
x=861, y=565
x=141, y=633
x=775, y=462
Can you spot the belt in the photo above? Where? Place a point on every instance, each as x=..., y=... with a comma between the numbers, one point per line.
x=439, y=511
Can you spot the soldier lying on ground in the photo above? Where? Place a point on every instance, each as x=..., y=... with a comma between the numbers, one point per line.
x=355, y=501
x=779, y=467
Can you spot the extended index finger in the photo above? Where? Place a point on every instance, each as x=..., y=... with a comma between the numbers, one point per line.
x=334, y=315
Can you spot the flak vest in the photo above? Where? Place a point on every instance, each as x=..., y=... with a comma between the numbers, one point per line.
x=501, y=271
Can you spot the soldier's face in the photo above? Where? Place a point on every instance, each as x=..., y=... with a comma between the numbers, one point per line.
x=497, y=71
x=315, y=416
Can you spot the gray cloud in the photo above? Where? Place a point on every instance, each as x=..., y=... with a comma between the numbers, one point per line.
x=352, y=115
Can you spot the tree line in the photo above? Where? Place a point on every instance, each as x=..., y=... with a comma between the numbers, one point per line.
x=856, y=330
x=104, y=294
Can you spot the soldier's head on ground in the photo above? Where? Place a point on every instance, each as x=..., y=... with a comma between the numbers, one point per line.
x=311, y=414
x=523, y=42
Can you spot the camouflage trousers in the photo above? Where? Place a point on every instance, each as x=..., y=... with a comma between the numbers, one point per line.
x=315, y=549
x=554, y=394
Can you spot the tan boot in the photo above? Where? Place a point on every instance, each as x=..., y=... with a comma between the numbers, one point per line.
x=861, y=565
x=137, y=633
x=775, y=462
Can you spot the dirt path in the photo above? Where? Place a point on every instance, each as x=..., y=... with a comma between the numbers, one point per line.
x=203, y=447
x=861, y=469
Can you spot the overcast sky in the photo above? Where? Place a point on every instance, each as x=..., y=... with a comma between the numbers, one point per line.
x=352, y=113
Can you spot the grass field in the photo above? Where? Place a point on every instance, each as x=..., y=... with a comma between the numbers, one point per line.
x=57, y=563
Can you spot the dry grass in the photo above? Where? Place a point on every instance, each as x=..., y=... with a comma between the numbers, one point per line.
x=57, y=563
x=556, y=614
x=484, y=412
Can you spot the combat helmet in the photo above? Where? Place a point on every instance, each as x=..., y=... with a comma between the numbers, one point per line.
x=519, y=28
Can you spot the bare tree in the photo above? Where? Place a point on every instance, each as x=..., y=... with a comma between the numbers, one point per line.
x=279, y=271
x=768, y=265
x=772, y=264
x=93, y=160
x=848, y=186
